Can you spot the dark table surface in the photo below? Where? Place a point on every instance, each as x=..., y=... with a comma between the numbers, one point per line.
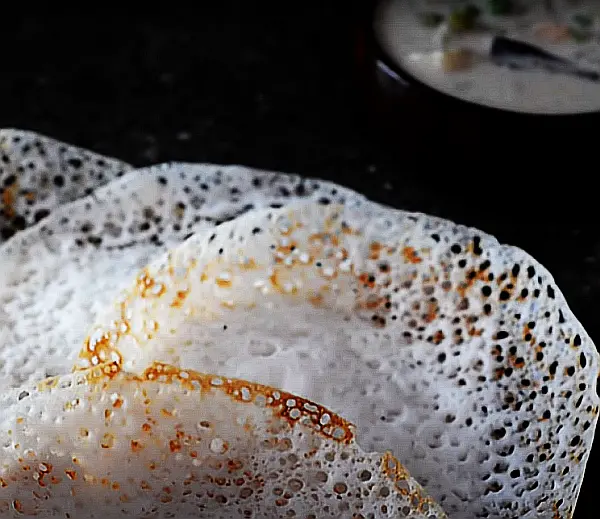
x=281, y=90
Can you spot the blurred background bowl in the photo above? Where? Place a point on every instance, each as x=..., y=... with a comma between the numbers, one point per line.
x=406, y=110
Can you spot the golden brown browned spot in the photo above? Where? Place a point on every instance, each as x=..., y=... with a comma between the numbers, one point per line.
x=411, y=256
x=147, y=287
x=284, y=405
x=223, y=283
x=179, y=299
x=396, y=472
x=8, y=200
x=375, y=250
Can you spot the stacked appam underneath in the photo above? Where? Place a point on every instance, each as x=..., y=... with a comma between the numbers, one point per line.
x=168, y=303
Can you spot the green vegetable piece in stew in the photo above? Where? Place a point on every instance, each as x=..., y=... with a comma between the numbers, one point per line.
x=501, y=7
x=464, y=18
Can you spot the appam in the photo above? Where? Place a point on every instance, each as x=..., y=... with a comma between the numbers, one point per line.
x=56, y=275
x=38, y=174
x=175, y=443
x=456, y=352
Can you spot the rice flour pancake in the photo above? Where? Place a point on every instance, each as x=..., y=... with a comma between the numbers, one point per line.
x=182, y=444
x=458, y=353
x=56, y=275
x=37, y=174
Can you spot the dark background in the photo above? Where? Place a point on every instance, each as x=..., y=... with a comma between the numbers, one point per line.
x=289, y=88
